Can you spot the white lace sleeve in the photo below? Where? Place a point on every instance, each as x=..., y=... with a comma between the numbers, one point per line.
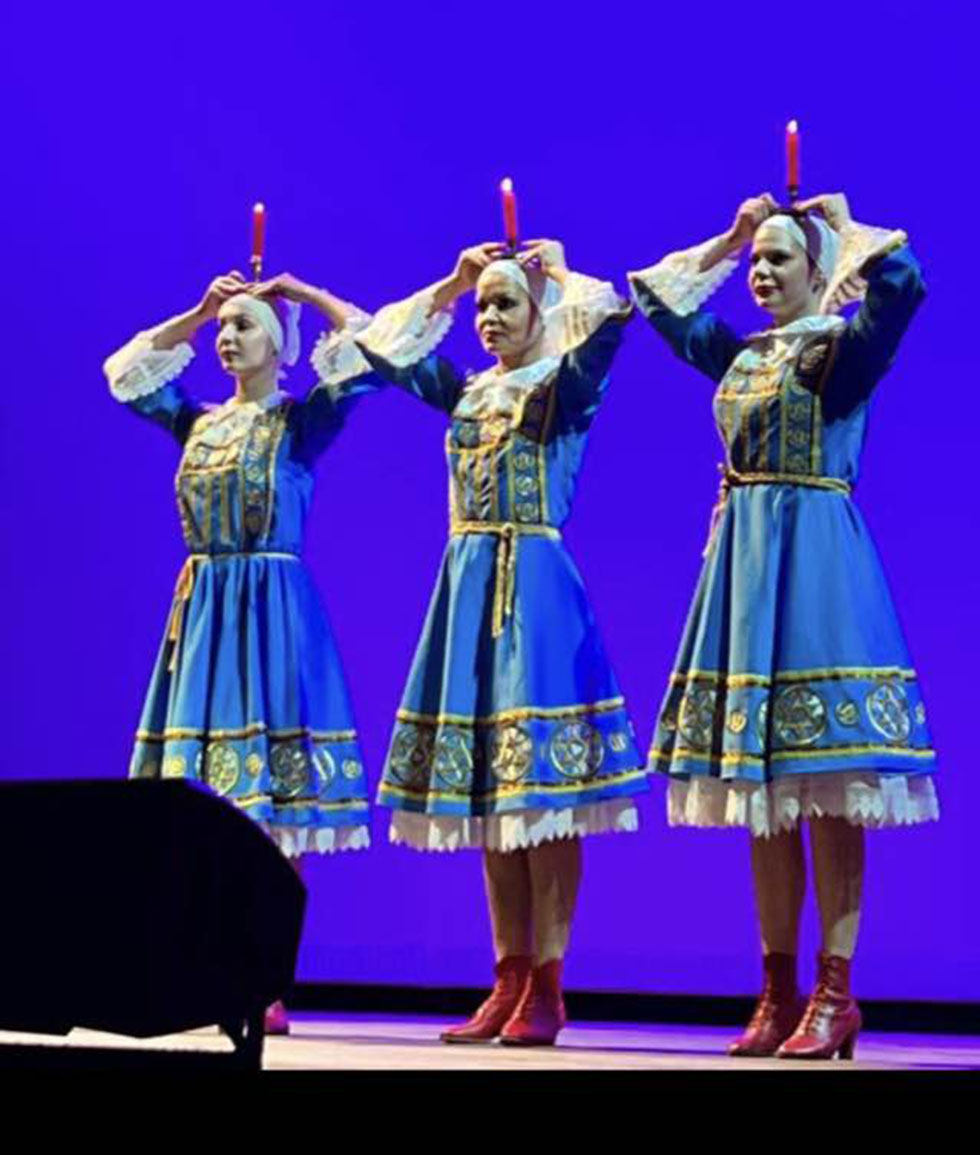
x=859, y=245
x=137, y=369
x=335, y=357
x=407, y=331
x=585, y=303
x=678, y=282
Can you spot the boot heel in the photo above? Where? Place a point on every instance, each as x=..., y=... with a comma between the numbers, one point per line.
x=511, y=974
x=832, y=1021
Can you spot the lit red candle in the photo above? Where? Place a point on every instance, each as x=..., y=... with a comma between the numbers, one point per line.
x=509, y=202
x=793, y=160
x=258, y=239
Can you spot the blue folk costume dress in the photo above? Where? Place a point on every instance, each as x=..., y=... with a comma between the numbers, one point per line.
x=512, y=729
x=793, y=695
x=248, y=694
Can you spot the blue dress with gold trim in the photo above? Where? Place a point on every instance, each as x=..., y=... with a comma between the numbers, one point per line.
x=793, y=693
x=511, y=710
x=248, y=694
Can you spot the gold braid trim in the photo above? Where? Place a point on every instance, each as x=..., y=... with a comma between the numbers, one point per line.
x=732, y=479
x=252, y=730
x=299, y=803
x=505, y=579
x=829, y=673
x=586, y=786
x=683, y=753
x=516, y=714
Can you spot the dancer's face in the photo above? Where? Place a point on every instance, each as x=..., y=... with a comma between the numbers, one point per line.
x=780, y=277
x=244, y=347
x=507, y=321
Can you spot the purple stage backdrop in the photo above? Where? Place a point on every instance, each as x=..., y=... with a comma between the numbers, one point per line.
x=137, y=138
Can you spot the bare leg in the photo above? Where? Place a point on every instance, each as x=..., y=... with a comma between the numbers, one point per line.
x=779, y=874
x=508, y=883
x=838, y=868
x=556, y=871
x=832, y=1020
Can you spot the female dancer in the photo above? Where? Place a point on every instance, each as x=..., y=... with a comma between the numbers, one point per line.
x=793, y=695
x=512, y=734
x=247, y=693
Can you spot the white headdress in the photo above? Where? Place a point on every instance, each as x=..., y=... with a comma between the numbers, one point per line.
x=544, y=297
x=681, y=284
x=839, y=256
x=568, y=313
x=285, y=343
x=813, y=235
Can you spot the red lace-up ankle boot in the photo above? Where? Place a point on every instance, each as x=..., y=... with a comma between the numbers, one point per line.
x=778, y=1011
x=511, y=978
x=831, y=1022
x=276, y=1019
x=540, y=1014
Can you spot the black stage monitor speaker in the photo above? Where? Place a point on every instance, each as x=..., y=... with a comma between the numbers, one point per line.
x=141, y=908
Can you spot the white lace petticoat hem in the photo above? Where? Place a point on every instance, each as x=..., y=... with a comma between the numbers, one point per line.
x=773, y=807
x=517, y=831
x=294, y=841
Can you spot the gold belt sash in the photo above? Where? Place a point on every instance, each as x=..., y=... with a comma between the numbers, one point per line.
x=732, y=479
x=185, y=587
x=505, y=577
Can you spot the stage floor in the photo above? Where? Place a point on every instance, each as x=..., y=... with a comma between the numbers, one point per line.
x=384, y=1043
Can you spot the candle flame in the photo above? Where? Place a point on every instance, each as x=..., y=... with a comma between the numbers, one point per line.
x=792, y=126
x=507, y=185
x=259, y=208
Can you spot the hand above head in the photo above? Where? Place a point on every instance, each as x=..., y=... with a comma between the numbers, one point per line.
x=548, y=255
x=833, y=207
x=472, y=261
x=283, y=285
x=289, y=288
x=220, y=289
x=751, y=214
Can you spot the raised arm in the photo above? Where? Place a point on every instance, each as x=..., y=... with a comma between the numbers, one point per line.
x=342, y=377
x=584, y=328
x=398, y=342
x=142, y=374
x=670, y=293
x=877, y=267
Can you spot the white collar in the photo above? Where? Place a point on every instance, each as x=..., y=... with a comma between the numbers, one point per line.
x=501, y=393
x=525, y=377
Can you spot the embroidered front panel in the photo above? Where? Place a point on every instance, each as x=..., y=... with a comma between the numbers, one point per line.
x=226, y=480
x=482, y=761
x=746, y=720
x=497, y=463
x=768, y=407
x=746, y=410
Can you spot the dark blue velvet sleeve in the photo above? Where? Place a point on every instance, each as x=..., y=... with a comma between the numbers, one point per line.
x=583, y=375
x=170, y=408
x=700, y=338
x=318, y=419
x=433, y=380
x=868, y=345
